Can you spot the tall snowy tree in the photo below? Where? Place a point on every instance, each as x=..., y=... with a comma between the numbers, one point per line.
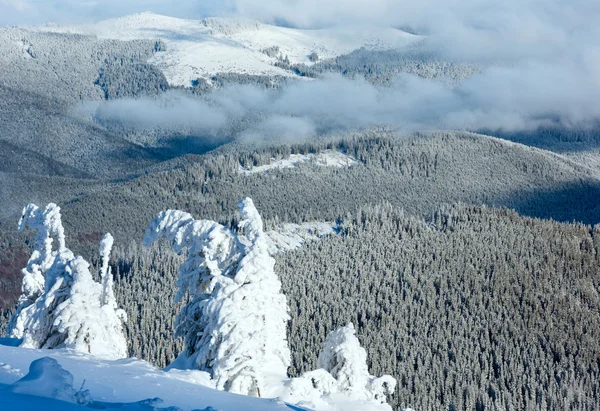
x=68, y=309
x=235, y=322
x=47, y=223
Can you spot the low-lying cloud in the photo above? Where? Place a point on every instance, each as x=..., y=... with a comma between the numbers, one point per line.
x=516, y=98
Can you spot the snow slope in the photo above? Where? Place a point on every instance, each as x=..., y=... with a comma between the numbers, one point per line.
x=132, y=384
x=291, y=236
x=117, y=382
x=201, y=48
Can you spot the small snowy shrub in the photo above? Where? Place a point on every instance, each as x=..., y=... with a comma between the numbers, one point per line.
x=343, y=368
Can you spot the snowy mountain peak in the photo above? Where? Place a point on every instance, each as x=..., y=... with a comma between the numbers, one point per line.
x=203, y=48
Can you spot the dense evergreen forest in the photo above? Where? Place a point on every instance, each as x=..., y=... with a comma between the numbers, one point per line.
x=477, y=308
x=468, y=264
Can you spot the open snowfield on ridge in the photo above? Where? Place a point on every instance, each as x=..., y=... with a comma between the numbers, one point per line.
x=130, y=384
x=325, y=158
x=201, y=48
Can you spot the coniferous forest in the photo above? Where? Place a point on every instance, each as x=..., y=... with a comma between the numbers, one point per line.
x=383, y=222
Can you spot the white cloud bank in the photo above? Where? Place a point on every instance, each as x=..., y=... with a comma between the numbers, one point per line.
x=522, y=97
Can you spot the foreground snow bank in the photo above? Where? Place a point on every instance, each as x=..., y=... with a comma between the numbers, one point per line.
x=64, y=380
x=121, y=384
x=46, y=378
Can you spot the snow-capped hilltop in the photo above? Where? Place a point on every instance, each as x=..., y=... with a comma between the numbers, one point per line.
x=201, y=48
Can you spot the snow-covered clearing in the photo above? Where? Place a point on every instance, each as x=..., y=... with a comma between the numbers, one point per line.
x=291, y=236
x=325, y=158
x=201, y=48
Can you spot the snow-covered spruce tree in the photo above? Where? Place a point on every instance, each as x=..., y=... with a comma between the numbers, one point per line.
x=70, y=310
x=234, y=325
x=343, y=368
x=47, y=223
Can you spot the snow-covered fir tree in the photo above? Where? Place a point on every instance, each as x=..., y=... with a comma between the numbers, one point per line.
x=342, y=373
x=234, y=325
x=46, y=223
x=68, y=308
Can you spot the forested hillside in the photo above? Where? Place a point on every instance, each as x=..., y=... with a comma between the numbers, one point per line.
x=480, y=309
x=477, y=308
x=416, y=172
x=382, y=67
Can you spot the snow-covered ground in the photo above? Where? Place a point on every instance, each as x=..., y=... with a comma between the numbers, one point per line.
x=132, y=384
x=119, y=383
x=201, y=48
x=325, y=158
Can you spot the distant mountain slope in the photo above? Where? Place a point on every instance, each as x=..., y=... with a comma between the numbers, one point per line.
x=34, y=122
x=201, y=48
x=43, y=77
x=62, y=66
x=416, y=172
x=15, y=159
x=382, y=67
